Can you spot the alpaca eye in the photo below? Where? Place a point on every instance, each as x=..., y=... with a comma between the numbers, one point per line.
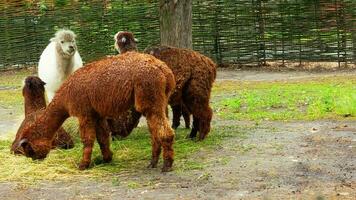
x=62, y=42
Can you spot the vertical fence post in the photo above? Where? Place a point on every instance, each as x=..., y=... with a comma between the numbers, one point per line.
x=217, y=33
x=261, y=52
x=300, y=26
x=338, y=32
x=342, y=23
x=237, y=36
x=282, y=32
x=317, y=26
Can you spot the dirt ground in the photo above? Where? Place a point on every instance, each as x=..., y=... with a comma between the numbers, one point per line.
x=276, y=160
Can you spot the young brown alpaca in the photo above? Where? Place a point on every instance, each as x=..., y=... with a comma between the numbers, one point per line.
x=33, y=93
x=106, y=89
x=194, y=74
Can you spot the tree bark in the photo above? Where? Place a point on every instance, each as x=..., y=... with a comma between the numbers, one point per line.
x=176, y=23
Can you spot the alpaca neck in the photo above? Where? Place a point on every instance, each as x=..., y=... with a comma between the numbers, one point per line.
x=52, y=118
x=128, y=49
x=32, y=104
x=65, y=63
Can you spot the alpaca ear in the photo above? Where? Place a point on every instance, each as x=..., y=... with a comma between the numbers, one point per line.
x=43, y=83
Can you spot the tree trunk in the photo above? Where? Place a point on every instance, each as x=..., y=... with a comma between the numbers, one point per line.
x=176, y=23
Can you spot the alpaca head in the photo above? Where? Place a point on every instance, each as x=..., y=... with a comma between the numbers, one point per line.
x=33, y=87
x=125, y=41
x=29, y=142
x=65, y=42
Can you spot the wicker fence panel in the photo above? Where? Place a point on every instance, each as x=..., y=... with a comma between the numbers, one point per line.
x=243, y=32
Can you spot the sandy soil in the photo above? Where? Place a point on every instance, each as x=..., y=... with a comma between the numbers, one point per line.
x=276, y=160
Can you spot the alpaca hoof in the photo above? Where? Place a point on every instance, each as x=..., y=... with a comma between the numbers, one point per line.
x=190, y=137
x=152, y=165
x=167, y=169
x=167, y=165
x=68, y=146
x=84, y=165
x=107, y=159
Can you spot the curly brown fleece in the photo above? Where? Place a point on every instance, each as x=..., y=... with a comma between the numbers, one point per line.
x=194, y=74
x=33, y=93
x=106, y=89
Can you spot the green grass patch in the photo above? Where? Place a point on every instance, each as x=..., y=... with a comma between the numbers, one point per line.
x=328, y=98
x=14, y=78
x=11, y=89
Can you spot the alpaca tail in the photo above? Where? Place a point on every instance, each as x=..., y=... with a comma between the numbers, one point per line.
x=170, y=84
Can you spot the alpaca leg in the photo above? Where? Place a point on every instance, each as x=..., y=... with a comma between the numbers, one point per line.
x=196, y=98
x=204, y=123
x=195, y=128
x=163, y=134
x=103, y=138
x=156, y=151
x=87, y=134
x=186, y=116
x=177, y=112
x=202, y=114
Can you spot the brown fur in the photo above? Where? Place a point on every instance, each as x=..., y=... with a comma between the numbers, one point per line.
x=106, y=89
x=33, y=92
x=194, y=74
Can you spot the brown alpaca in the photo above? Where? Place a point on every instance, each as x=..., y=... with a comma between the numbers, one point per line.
x=106, y=89
x=125, y=41
x=33, y=92
x=194, y=74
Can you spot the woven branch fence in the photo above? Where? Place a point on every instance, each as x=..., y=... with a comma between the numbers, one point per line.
x=241, y=32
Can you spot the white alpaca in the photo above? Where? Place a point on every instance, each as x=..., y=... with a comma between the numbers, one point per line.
x=59, y=59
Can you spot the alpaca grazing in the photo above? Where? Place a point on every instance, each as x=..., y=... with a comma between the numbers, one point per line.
x=194, y=74
x=33, y=92
x=103, y=90
x=59, y=59
x=124, y=42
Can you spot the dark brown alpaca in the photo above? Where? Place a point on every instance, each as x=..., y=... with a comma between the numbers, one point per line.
x=124, y=42
x=194, y=74
x=33, y=93
x=102, y=90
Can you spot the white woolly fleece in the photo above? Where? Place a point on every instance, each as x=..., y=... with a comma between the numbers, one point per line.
x=53, y=69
